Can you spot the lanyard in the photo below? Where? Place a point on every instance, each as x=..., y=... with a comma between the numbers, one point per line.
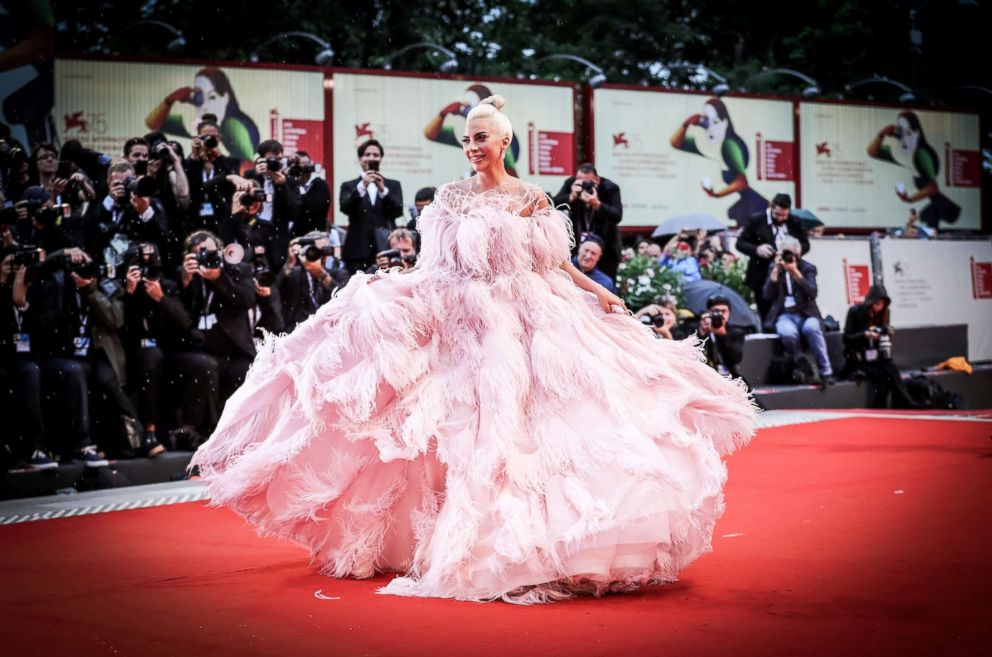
x=208, y=174
x=788, y=283
x=84, y=316
x=18, y=318
x=313, y=290
x=209, y=298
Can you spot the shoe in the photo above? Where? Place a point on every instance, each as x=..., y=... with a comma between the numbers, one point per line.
x=92, y=458
x=40, y=460
x=827, y=381
x=151, y=446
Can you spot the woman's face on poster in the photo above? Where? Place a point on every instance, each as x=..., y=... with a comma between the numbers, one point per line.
x=213, y=102
x=716, y=128
x=908, y=138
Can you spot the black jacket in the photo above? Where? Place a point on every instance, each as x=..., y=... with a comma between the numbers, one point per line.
x=233, y=296
x=756, y=232
x=604, y=221
x=803, y=290
x=858, y=321
x=726, y=350
x=164, y=321
x=365, y=219
x=198, y=193
x=101, y=227
x=297, y=302
x=285, y=202
x=315, y=204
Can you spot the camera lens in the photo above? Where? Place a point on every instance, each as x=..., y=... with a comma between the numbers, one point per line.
x=208, y=141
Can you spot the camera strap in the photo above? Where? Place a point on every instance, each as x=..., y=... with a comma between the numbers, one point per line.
x=22, y=341
x=313, y=290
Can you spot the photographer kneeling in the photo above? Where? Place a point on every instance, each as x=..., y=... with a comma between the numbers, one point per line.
x=723, y=344
x=868, y=349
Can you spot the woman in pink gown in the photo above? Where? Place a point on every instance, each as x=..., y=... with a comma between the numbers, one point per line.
x=491, y=424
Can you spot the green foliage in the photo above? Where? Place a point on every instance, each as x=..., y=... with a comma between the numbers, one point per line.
x=732, y=277
x=641, y=282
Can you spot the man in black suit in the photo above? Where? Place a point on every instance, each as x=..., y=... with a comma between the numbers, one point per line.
x=762, y=238
x=124, y=217
x=204, y=163
x=304, y=283
x=372, y=204
x=274, y=222
x=595, y=207
x=315, y=195
x=791, y=291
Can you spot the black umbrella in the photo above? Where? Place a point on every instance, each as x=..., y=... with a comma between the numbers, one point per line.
x=697, y=292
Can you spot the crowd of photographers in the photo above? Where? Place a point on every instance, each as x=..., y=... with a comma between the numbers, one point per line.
x=134, y=287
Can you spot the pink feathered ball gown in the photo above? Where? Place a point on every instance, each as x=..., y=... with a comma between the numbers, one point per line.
x=480, y=425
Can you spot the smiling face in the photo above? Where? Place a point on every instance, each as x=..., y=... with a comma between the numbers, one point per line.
x=589, y=255
x=483, y=145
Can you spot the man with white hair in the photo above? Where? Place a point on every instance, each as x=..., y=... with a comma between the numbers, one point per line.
x=790, y=290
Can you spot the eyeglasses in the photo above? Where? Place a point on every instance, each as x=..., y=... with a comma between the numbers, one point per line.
x=46, y=156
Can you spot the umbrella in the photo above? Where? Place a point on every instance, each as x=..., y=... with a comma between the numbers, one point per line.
x=697, y=292
x=807, y=218
x=688, y=222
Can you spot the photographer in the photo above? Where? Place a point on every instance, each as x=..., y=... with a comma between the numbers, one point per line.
x=266, y=315
x=282, y=201
x=423, y=198
x=218, y=295
x=723, y=344
x=790, y=292
x=126, y=215
x=304, y=283
x=402, y=252
x=761, y=239
x=595, y=207
x=315, y=195
x=236, y=203
x=154, y=317
x=84, y=350
x=679, y=256
x=38, y=223
x=663, y=319
x=205, y=163
x=22, y=301
x=868, y=350
x=372, y=204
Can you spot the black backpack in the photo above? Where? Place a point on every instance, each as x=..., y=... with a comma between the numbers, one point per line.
x=929, y=394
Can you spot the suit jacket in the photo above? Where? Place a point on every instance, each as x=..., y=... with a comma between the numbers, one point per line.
x=314, y=207
x=756, y=232
x=364, y=218
x=198, y=194
x=297, y=304
x=604, y=221
x=100, y=228
x=285, y=202
x=804, y=291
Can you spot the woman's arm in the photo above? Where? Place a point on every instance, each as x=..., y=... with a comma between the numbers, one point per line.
x=606, y=298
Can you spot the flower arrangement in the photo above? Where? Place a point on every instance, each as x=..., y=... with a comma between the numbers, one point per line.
x=732, y=276
x=640, y=282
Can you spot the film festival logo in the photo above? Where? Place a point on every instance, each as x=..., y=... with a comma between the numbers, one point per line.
x=823, y=148
x=362, y=130
x=620, y=139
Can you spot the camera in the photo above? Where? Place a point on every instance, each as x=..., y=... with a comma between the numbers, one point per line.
x=143, y=186
x=656, y=320
x=373, y=165
x=588, y=186
x=88, y=269
x=788, y=257
x=880, y=330
x=260, y=268
x=209, y=259
x=254, y=196
x=160, y=150
x=209, y=141
x=717, y=319
x=26, y=256
x=273, y=164
x=11, y=155
x=299, y=170
x=52, y=216
x=312, y=252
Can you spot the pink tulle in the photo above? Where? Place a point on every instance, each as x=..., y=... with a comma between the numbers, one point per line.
x=480, y=425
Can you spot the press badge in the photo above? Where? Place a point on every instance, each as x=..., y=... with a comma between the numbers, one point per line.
x=207, y=322
x=790, y=301
x=81, y=345
x=871, y=354
x=149, y=343
x=207, y=209
x=22, y=342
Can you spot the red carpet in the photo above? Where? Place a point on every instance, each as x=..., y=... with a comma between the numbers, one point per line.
x=848, y=537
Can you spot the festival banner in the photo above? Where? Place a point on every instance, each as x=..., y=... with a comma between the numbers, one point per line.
x=679, y=153
x=420, y=122
x=942, y=282
x=104, y=103
x=868, y=166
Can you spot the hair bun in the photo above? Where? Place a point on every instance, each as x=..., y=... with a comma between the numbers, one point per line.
x=495, y=100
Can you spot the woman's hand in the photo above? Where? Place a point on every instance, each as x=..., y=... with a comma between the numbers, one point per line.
x=607, y=300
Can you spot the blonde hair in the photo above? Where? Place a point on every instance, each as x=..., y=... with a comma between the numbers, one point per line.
x=491, y=108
